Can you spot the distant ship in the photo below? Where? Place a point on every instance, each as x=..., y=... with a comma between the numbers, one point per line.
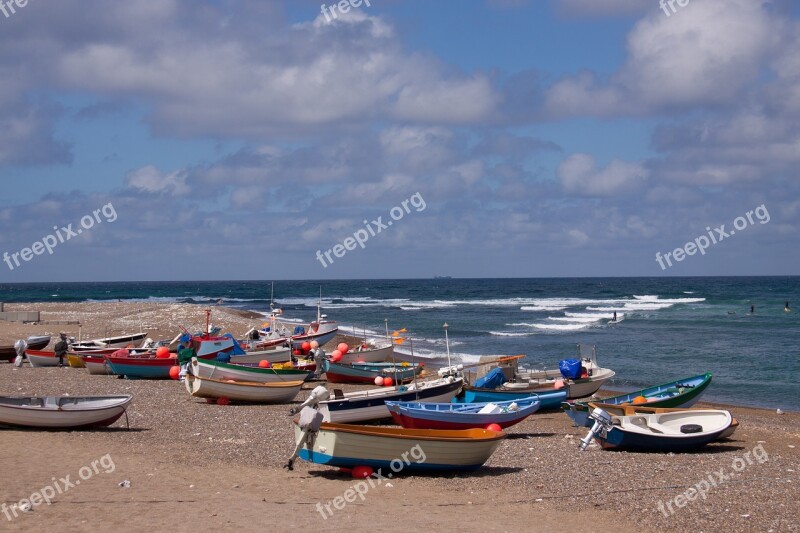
x=442, y=277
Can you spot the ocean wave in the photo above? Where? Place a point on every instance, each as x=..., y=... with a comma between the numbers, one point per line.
x=510, y=334
x=561, y=327
x=580, y=319
x=542, y=308
x=598, y=316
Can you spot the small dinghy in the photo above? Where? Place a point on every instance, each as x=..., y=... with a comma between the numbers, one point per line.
x=8, y=353
x=367, y=372
x=629, y=410
x=417, y=415
x=210, y=369
x=62, y=412
x=676, y=431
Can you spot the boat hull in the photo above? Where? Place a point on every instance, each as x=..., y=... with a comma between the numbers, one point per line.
x=40, y=359
x=666, y=395
x=370, y=405
x=97, y=365
x=9, y=353
x=406, y=450
x=648, y=433
x=62, y=413
x=539, y=382
x=548, y=400
x=224, y=371
x=370, y=355
x=143, y=368
x=111, y=342
x=415, y=415
x=279, y=355
x=367, y=372
x=281, y=392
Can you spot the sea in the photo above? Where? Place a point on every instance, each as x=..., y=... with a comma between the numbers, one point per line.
x=666, y=328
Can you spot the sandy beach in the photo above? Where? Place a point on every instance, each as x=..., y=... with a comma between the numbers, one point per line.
x=198, y=466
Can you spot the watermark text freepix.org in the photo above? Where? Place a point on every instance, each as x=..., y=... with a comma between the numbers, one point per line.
x=360, y=489
x=59, y=486
x=8, y=9
x=671, y=3
x=361, y=236
x=714, y=479
x=63, y=234
x=343, y=6
x=716, y=236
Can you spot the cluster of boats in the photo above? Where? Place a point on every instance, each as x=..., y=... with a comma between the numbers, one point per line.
x=458, y=424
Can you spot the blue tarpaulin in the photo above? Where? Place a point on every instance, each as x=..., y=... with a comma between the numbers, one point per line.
x=237, y=350
x=491, y=380
x=570, y=368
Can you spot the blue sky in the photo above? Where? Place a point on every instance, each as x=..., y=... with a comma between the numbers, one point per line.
x=235, y=139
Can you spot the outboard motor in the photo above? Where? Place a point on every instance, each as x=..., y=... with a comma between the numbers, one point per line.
x=309, y=421
x=20, y=346
x=319, y=359
x=602, y=421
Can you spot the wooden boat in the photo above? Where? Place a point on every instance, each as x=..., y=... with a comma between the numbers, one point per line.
x=416, y=450
x=417, y=415
x=97, y=365
x=367, y=354
x=362, y=406
x=548, y=380
x=210, y=369
x=120, y=341
x=548, y=399
x=679, y=393
x=630, y=410
x=367, y=372
x=40, y=358
x=676, y=431
x=75, y=361
x=278, y=331
x=8, y=353
x=243, y=391
x=141, y=367
x=273, y=356
x=62, y=412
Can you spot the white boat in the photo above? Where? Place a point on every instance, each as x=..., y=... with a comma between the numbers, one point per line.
x=368, y=354
x=272, y=355
x=243, y=391
x=120, y=341
x=362, y=406
x=40, y=358
x=548, y=380
x=415, y=450
x=278, y=331
x=209, y=369
x=673, y=431
x=62, y=412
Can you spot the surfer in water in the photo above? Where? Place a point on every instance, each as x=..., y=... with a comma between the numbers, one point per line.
x=615, y=317
x=752, y=309
x=786, y=308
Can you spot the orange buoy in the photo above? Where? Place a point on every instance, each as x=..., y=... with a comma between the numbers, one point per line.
x=639, y=399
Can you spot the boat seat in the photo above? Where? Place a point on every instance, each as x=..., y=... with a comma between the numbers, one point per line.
x=50, y=401
x=338, y=394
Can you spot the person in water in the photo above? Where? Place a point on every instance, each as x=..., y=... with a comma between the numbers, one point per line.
x=615, y=317
x=786, y=308
x=752, y=309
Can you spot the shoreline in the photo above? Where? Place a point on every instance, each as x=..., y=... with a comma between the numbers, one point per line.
x=162, y=320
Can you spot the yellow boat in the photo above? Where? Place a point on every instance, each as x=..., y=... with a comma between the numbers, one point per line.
x=75, y=361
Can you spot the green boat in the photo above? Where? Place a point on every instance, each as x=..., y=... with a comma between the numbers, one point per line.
x=680, y=393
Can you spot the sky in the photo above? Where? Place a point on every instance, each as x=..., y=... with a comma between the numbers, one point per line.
x=245, y=139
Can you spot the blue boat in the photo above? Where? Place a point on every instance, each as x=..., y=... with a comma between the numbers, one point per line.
x=548, y=400
x=419, y=415
x=680, y=393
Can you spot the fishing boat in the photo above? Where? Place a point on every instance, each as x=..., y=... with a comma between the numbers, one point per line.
x=592, y=377
x=243, y=391
x=62, y=412
x=417, y=450
x=367, y=353
x=367, y=372
x=278, y=331
x=120, y=341
x=679, y=393
x=210, y=369
x=75, y=361
x=97, y=365
x=676, y=431
x=418, y=415
x=141, y=366
x=41, y=358
x=630, y=410
x=9, y=352
x=548, y=399
x=272, y=356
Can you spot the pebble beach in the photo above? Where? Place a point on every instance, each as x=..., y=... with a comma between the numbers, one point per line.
x=191, y=465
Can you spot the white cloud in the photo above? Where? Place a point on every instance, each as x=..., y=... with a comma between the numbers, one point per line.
x=579, y=175
x=151, y=179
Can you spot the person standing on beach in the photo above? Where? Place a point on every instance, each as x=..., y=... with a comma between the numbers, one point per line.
x=61, y=348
